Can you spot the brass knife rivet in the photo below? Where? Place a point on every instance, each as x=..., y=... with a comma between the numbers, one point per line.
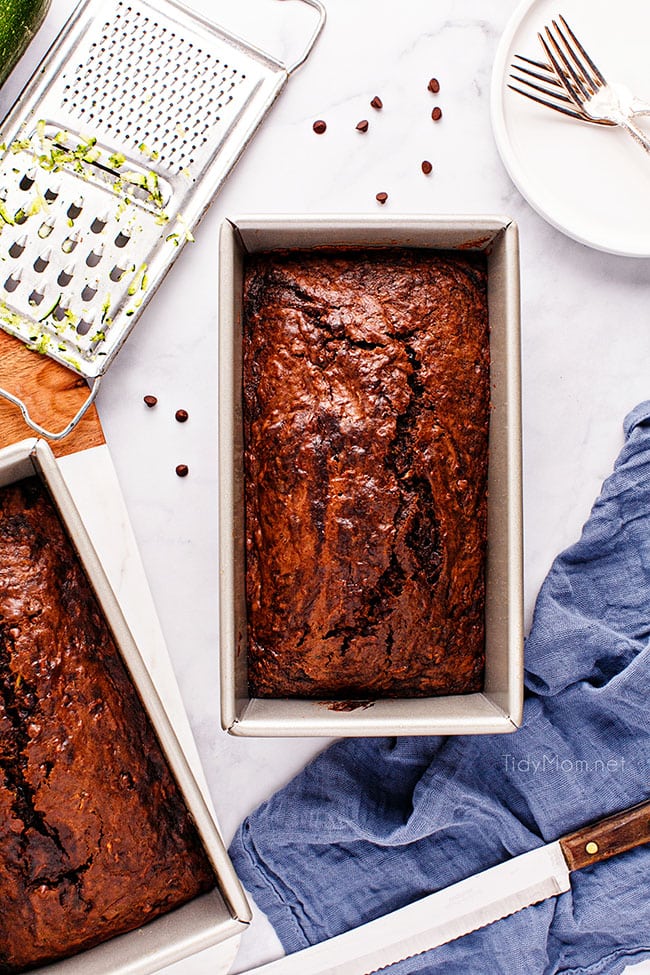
x=591, y=847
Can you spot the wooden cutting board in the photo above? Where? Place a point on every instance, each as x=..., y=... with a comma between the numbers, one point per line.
x=53, y=395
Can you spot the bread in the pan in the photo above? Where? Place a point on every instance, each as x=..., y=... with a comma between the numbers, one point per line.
x=95, y=839
x=366, y=413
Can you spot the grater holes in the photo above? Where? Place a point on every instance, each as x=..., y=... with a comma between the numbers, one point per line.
x=75, y=208
x=18, y=247
x=147, y=66
x=85, y=324
x=36, y=297
x=28, y=180
x=70, y=243
x=95, y=255
x=89, y=291
x=65, y=276
x=42, y=261
x=13, y=281
x=45, y=229
x=99, y=223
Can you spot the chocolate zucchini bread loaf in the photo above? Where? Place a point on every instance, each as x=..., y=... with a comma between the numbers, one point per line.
x=94, y=836
x=366, y=408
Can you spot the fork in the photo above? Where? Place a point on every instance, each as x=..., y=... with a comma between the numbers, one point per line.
x=574, y=86
x=543, y=72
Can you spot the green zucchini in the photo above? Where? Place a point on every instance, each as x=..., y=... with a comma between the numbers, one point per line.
x=19, y=21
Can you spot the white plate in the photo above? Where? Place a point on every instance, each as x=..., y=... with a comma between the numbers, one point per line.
x=590, y=181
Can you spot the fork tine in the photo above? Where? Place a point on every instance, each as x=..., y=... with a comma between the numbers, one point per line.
x=548, y=78
x=593, y=83
x=560, y=74
x=547, y=73
x=541, y=101
x=557, y=95
x=567, y=63
x=582, y=51
x=536, y=64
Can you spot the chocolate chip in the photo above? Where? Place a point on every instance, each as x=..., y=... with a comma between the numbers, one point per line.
x=381, y=197
x=377, y=102
x=181, y=415
x=434, y=86
x=150, y=401
x=436, y=114
x=182, y=470
x=319, y=126
x=362, y=126
x=426, y=167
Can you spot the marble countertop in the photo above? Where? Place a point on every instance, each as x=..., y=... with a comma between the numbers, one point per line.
x=585, y=334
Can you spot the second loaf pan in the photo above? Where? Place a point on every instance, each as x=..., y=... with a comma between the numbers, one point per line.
x=498, y=707
x=207, y=920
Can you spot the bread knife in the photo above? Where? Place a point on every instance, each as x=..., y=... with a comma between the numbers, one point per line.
x=470, y=904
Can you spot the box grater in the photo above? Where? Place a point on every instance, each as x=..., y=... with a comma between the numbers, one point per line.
x=109, y=159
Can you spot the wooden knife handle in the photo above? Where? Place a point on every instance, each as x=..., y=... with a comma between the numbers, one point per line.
x=607, y=837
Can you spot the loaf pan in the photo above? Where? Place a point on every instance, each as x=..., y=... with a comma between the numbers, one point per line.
x=498, y=708
x=211, y=918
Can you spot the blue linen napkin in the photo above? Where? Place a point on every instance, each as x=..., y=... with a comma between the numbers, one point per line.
x=373, y=824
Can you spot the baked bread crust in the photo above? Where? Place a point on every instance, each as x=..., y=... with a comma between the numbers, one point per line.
x=94, y=836
x=366, y=412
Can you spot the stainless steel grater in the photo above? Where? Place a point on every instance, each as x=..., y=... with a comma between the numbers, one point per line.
x=110, y=158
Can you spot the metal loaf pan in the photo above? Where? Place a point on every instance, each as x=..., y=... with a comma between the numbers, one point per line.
x=212, y=918
x=499, y=707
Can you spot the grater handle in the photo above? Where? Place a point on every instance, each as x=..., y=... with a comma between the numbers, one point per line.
x=94, y=389
x=317, y=5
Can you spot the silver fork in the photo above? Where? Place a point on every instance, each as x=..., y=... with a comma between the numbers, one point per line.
x=578, y=88
x=553, y=90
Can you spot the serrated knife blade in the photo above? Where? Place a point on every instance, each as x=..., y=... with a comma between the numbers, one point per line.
x=470, y=904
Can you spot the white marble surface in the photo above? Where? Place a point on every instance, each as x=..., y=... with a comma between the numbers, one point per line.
x=585, y=324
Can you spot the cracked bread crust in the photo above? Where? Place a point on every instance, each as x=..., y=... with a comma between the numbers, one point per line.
x=95, y=839
x=366, y=410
